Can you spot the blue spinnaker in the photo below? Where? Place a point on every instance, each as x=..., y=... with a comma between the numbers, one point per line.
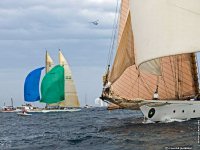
x=31, y=85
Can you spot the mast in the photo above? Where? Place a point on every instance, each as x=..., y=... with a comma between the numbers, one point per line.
x=176, y=68
x=195, y=72
x=85, y=99
x=11, y=102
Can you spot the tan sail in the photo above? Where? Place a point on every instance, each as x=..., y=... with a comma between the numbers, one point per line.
x=49, y=62
x=71, y=98
x=155, y=49
x=125, y=52
x=124, y=9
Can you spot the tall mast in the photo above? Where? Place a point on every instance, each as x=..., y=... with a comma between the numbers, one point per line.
x=195, y=72
x=11, y=102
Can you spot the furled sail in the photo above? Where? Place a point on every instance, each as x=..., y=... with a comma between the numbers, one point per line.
x=156, y=46
x=52, y=87
x=71, y=98
x=31, y=85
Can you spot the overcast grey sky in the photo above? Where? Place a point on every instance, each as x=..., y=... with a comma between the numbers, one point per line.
x=28, y=27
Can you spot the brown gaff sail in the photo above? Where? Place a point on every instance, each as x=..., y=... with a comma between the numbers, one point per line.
x=157, y=40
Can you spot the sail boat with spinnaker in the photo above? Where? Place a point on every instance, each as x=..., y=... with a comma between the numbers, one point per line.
x=156, y=54
x=54, y=90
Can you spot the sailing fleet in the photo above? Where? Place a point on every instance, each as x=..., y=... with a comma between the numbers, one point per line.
x=155, y=67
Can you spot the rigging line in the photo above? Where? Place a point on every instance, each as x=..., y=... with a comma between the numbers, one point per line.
x=128, y=84
x=178, y=76
x=138, y=78
x=132, y=85
x=173, y=70
x=114, y=28
x=146, y=85
x=163, y=78
x=171, y=65
x=193, y=66
x=197, y=66
x=181, y=72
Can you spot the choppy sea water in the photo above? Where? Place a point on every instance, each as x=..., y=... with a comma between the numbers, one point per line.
x=94, y=129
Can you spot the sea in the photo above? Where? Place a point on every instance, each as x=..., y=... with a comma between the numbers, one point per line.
x=95, y=129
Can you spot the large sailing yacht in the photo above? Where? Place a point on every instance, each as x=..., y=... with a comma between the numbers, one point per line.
x=156, y=55
x=68, y=99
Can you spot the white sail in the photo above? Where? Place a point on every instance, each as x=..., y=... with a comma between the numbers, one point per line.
x=71, y=98
x=164, y=28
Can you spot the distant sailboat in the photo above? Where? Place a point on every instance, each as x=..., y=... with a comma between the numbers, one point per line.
x=156, y=59
x=53, y=87
x=10, y=108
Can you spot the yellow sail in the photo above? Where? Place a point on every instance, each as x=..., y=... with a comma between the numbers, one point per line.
x=156, y=44
x=71, y=98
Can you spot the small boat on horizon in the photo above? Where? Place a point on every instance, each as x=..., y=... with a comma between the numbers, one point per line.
x=23, y=114
x=9, y=109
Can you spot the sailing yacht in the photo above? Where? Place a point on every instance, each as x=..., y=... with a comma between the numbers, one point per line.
x=156, y=53
x=57, y=87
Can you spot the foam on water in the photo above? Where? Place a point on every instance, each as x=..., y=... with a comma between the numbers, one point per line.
x=175, y=120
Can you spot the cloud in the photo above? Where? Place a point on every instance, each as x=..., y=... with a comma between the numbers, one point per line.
x=30, y=27
x=43, y=20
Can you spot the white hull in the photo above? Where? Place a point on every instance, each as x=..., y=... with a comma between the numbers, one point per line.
x=24, y=114
x=60, y=110
x=34, y=111
x=163, y=111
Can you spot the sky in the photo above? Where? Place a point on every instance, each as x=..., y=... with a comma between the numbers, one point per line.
x=30, y=27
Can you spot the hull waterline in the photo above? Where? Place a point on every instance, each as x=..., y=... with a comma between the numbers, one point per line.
x=60, y=110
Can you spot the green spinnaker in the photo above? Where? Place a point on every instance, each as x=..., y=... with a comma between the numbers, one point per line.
x=53, y=86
